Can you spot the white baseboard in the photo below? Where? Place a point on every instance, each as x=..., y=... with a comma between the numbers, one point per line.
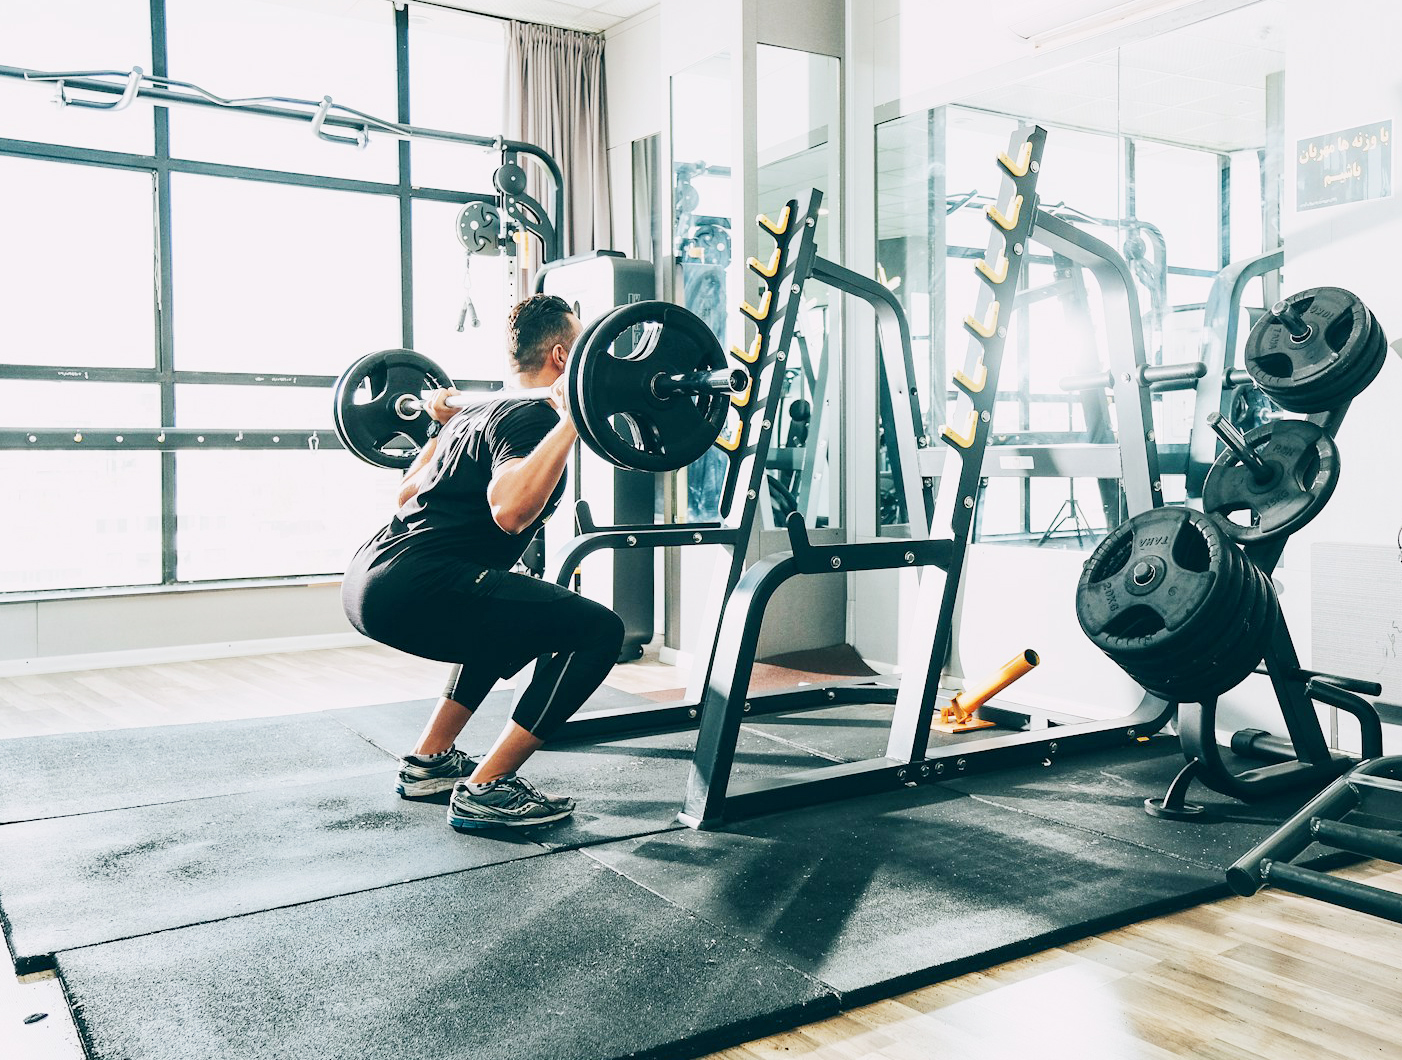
x=105, y=660
x=674, y=657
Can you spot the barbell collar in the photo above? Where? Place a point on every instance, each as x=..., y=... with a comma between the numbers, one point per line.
x=720, y=381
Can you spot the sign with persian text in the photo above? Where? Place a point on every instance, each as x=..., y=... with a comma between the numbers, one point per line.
x=1347, y=166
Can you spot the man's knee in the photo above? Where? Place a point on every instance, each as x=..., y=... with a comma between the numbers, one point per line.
x=610, y=630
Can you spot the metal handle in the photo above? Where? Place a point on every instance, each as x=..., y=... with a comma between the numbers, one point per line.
x=1291, y=318
x=1236, y=442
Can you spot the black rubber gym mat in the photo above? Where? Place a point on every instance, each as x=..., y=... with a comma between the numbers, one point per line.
x=553, y=958
x=849, y=733
x=635, y=786
x=83, y=879
x=395, y=727
x=49, y=776
x=626, y=786
x=884, y=893
x=1104, y=792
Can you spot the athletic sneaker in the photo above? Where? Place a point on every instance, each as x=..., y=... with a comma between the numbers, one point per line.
x=511, y=802
x=421, y=776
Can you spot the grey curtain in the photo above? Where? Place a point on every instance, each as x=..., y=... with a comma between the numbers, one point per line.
x=555, y=100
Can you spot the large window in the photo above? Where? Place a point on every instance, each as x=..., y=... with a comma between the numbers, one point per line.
x=203, y=272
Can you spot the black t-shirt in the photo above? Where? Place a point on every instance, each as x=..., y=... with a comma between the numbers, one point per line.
x=449, y=516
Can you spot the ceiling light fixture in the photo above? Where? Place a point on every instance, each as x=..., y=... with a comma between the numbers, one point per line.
x=1068, y=23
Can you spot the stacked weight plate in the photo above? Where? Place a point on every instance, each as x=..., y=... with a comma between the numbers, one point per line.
x=1176, y=604
x=1328, y=363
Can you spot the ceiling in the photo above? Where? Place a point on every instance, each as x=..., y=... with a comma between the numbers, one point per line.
x=591, y=16
x=1202, y=86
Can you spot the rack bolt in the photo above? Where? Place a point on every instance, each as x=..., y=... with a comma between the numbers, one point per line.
x=632, y=540
x=835, y=562
x=960, y=763
x=968, y=502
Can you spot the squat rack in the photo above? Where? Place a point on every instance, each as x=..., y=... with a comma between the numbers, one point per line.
x=909, y=759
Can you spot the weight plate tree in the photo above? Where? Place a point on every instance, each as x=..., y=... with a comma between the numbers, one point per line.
x=1172, y=601
x=1316, y=350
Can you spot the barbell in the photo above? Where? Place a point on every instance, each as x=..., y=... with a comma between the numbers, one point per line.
x=648, y=388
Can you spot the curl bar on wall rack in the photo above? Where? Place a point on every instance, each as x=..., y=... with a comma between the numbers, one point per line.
x=118, y=89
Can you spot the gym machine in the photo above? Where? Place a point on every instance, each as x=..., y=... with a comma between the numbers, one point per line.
x=910, y=758
x=1370, y=796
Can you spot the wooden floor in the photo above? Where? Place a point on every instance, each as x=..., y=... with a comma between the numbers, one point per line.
x=1272, y=977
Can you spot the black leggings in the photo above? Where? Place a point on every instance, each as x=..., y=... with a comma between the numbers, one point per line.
x=491, y=623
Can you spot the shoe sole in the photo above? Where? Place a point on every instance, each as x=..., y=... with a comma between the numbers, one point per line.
x=419, y=789
x=472, y=824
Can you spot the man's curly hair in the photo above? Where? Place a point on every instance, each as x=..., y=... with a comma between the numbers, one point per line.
x=534, y=327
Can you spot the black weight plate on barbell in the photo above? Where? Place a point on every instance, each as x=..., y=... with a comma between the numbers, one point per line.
x=619, y=415
x=1152, y=580
x=573, y=397
x=364, y=405
x=1302, y=376
x=1304, y=465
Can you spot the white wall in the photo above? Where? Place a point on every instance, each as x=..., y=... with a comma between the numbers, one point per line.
x=1352, y=246
x=636, y=107
x=85, y=632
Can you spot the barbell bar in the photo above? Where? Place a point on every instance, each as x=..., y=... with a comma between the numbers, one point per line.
x=729, y=381
x=648, y=388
